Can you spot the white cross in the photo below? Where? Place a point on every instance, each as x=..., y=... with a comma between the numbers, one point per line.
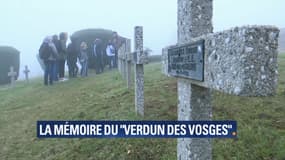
x=12, y=74
x=26, y=72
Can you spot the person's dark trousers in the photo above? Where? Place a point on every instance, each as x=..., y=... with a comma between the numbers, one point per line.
x=49, y=72
x=55, y=71
x=84, y=69
x=102, y=64
x=70, y=71
x=98, y=64
x=111, y=61
x=61, y=69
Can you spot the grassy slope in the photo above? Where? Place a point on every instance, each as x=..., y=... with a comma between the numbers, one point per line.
x=261, y=121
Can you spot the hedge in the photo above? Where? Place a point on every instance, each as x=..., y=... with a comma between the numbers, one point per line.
x=9, y=56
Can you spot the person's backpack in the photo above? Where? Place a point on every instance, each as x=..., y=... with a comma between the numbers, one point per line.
x=45, y=51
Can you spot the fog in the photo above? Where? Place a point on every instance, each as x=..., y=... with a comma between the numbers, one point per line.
x=24, y=24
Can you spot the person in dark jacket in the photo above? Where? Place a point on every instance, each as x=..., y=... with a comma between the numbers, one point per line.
x=62, y=54
x=72, y=59
x=48, y=47
x=98, y=54
x=55, y=41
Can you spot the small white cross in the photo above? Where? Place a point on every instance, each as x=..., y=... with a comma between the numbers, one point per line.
x=26, y=72
x=13, y=75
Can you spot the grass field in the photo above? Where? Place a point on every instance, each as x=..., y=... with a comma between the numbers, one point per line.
x=261, y=120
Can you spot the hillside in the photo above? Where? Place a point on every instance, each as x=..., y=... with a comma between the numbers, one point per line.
x=261, y=122
x=282, y=40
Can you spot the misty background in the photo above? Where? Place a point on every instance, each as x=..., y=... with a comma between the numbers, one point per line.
x=24, y=24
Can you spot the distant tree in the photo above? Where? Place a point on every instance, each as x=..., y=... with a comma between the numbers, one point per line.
x=9, y=56
x=147, y=51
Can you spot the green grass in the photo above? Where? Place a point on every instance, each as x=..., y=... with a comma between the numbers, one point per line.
x=261, y=121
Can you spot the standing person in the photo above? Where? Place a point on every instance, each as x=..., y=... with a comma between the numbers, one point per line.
x=98, y=54
x=56, y=43
x=62, y=54
x=83, y=59
x=116, y=41
x=110, y=51
x=48, y=54
x=72, y=59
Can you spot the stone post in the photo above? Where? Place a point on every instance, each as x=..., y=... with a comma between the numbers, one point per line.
x=128, y=63
x=194, y=102
x=139, y=71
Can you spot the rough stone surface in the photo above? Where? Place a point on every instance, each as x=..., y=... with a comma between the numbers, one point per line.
x=119, y=65
x=194, y=19
x=129, y=73
x=194, y=102
x=241, y=61
x=141, y=57
x=122, y=60
x=125, y=62
x=139, y=71
x=164, y=61
x=128, y=63
x=139, y=89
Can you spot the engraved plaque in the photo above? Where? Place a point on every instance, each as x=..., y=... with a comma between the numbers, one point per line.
x=187, y=61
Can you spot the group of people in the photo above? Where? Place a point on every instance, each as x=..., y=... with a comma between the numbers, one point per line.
x=55, y=53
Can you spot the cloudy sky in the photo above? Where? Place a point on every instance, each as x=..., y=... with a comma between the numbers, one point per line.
x=25, y=23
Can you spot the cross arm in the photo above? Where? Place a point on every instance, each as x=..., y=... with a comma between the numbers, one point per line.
x=240, y=61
